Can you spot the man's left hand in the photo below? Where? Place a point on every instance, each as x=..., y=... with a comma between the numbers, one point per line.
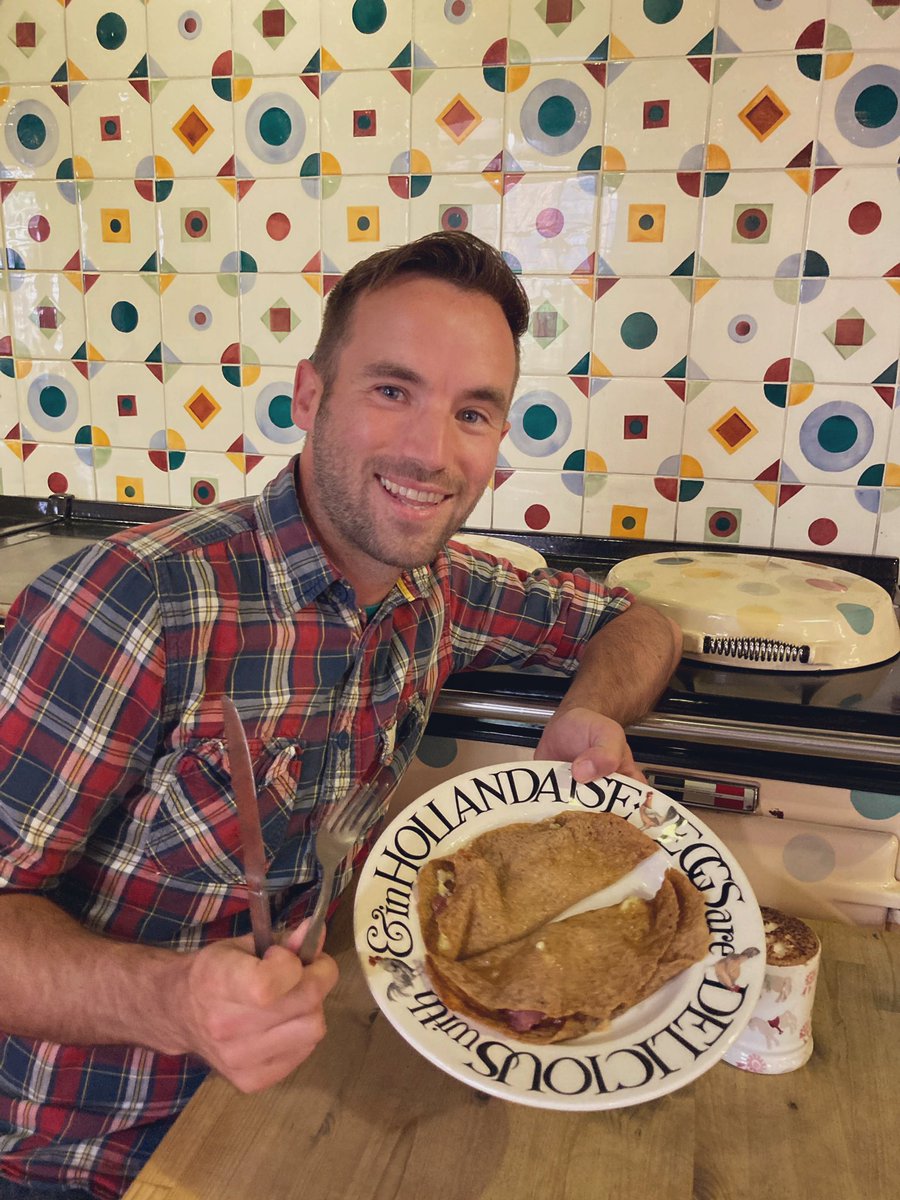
x=595, y=745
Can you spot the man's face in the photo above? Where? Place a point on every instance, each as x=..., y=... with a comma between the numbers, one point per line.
x=407, y=438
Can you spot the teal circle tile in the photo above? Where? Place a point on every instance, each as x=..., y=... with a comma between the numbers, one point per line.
x=875, y=806
x=369, y=15
x=639, y=330
x=111, y=31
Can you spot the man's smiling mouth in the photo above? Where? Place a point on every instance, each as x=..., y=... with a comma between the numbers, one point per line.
x=408, y=494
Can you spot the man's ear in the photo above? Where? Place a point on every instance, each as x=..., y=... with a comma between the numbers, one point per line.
x=505, y=430
x=308, y=389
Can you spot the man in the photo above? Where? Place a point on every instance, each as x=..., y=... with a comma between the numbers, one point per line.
x=331, y=611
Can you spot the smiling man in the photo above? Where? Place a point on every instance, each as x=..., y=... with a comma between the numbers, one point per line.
x=331, y=608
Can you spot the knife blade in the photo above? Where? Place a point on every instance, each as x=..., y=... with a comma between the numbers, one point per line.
x=249, y=825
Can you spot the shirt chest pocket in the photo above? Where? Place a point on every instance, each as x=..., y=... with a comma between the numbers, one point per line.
x=194, y=834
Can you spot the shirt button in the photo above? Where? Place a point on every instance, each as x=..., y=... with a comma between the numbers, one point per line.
x=341, y=592
x=343, y=740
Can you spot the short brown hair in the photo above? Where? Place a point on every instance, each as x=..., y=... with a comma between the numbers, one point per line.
x=453, y=256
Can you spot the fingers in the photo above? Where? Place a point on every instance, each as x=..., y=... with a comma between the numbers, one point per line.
x=293, y=940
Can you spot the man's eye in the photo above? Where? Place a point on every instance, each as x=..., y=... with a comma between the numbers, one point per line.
x=390, y=392
x=472, y=416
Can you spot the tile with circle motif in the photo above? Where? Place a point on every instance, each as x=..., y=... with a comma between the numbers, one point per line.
x=661, y=27
x=726, y=512
x=559, y=30
x=641, y=327
x=850, y=331
x=200, y=318
x=267, y=412
x=365, y=214
x=559, y=329
x=656, y=113
x=47, y=315
x=825, y=517
x=35, y=132
x=554, y=121
x=854, y=222
x=365, y=121
x=107, y=41
x=182, y=35
x=368, y=33
x=732, y=430
x=57, y=467
x=128, y=476
x=769, y=25
x=549, y=222
x=280, y=319
x=203, y=409
x=198, y=227
x=740, y=327
x=753, y=227
x=39, y=226
x=276, y=127
x=627, y=506
x=457, y=120
x=839, y=435
x=871, y=24
x=648, y=224
x=54, y=401
x=457, y=202
x=128, y=403
x=32, y=40
x=118, y=226
x=633, y=425
x=539, y=501
x=764, y=111
x=206, y=478
x=194, y=129
x=112, y=128
x=276, y=36
x=861, y=110
x=123, y=317
x=548, y=425
x=457, y=33
x=278, y=225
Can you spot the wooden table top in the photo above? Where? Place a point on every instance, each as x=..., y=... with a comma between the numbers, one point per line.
x=367, y=1118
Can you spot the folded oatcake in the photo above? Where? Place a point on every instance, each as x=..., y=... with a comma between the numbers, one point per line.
x=496, y=954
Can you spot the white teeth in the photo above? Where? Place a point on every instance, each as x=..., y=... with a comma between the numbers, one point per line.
x=409, y=493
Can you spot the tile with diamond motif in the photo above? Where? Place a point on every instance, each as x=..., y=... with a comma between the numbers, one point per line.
x=367, y=34
x=872, y=24
x=267, y=412
x=193, y=128
x=57, y=467
x=458, y=121
x=861, y=108
x=548, y=425
x=112, y=128
x=365, y=121
x=455, y=33
x=740, y=327
x=457, y=202
x=363, y=216
x=850, y=331
x=633, y=425
x=731, y=429
x=32, y=40
x=203, y=409
x=123, y=317
x=127, y=402
x=655, y=113
x=555, y=120
x=641, y=327
x=825, y=517
x=764, y=111
x=558, y=30
x=837, y=435
x=548, y=223
x=110, y=39
x=40, y=226
x=54, y=401
x=276, y=35
x=47, y=316
x=181, y=35
x=749, y=28
x=726, y=512
x=753, y=226
x=559, y=331
x=662, y=27
x=197, y=225
x=626, y=506
x=538, y=501
x=35, y=134
x=648, y=224
x=200, y=318
x=117, y=226
x=276, y=127
x=280, y=319
x=854, y=222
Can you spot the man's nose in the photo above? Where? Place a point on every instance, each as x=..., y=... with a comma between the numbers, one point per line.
x=426, y=437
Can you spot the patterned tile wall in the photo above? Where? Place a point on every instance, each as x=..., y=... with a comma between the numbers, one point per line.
x=702, y=198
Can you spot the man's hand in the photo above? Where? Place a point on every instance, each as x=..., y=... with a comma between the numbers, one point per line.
x=595, y=745
x=252, y=1019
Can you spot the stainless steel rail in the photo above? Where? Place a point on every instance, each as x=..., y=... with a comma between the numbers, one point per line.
x=744, y=735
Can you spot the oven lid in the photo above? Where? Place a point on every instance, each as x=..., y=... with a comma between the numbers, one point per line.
x=770, y=613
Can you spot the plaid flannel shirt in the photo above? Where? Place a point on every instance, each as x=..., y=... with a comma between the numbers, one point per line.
x=115, y=800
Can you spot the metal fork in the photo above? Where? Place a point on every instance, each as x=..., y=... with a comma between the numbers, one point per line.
x=337, y=834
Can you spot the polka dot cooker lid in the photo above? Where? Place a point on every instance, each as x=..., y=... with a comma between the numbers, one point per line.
x=752, y=610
